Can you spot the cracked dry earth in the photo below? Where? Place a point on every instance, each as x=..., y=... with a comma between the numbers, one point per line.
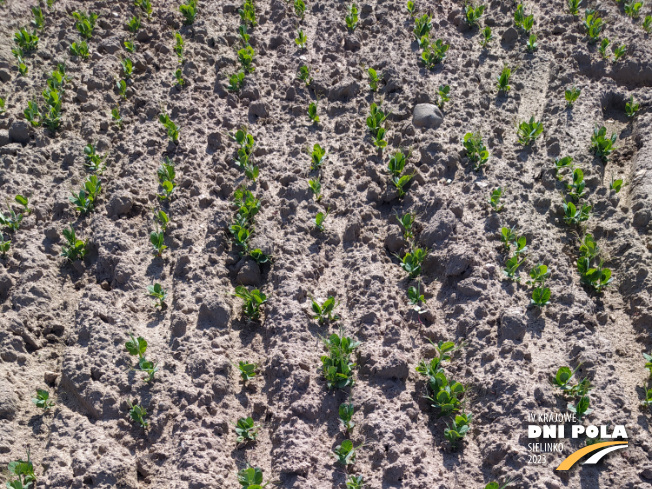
x=63, y=326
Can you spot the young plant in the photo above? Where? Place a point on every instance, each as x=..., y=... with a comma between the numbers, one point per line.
x=301, y=40
x=24, y=471
x=411, y=8
x=32, y=114
x=571, y=95
x=601, y=145
x=590, y=266
x=178, y=46
x=574, y=7
x=159, y=294
x=356, y=481
x=115, y=116
x=312, y=113
x=540, y=293
x=633, y=8
x=632, y=108
x=127, y=67
x=39, y=20
x=422, y=28
x=319, y=221
x=379, y=139
x=189, y=11
x=246, y=58
x=416, y=298
x=4, y=246
x=503, y=80
x=304, y=74
x=458, y=429
x=246, y=430
x=346, y=415
x=494, y=199
x=412, y=261
x=26, y=42
x=351, y=19
x=138, y=347
x=486, y=37
x=324, y=312
x=248, y=13
x=496, y=485
x=315, y=186
x=157, y=239
x=337, y=366
x=236, y=81
x=593, y=25
x=476, y=151
x=434, y=53
x=574, y=215
x=121, y=86
x=373, y=79
x=166, y=175
x=22, y=67
x=94, y=160
x=616, y=185
x=85, y=200
x=130, y=47
x=299, y=8
x=2, y=106
x=42, y=399
x=529, y=131
x=138, y=414
x=24, y=202
x=74, y=249
x=472, y=14
x=251, y=478
x=85, y=23
x=525, y=22
x=178, y=76
x=581, y=408
x=444, y=95
x=145, y=6
x=532, y=43
x=252, y=301
x=401, y=182
x=171, y=128
x=603, y=48
x=577, y=188
x=647, y=24
x=511, y=267
x=406, y=222
x=345, y=453
x=247, y=370
x=133, y=24
x=317, y=157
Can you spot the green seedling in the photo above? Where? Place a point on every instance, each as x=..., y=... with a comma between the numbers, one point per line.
x=299, y=8
x=376, y=118
x=648, y=362
x=24, y=202
x=301, y=40
x=251, y=478
x=422, y=28
x=157, y=240
x=411, y=8
x=304, y=74
x=473, y=14
x=50, y=3
x=178, y=76
x=246, y=430
x=486, y=37
x=248, y=13
x=94, y=160
x=647, y=24
x=581, y=408
x=4, y=246
x=633, y=9
x=319, y=221
x=133, y=24
x=312, y=113
x=574, y=215
x=379, y=139
x=529, y=131
x=138, y=347
x=145, y=6
x=42, y=400
x=406, y=222
x=525, y=22
x=244, y=36
x=351, y=19
x=561, y=164
x=416, y=298
x=236, y=81
x=85, y=23
x=458, y=429
x=324, y=312
x=603, y=48
x=159, y=293
x=138, y=414
x=315, y=186
x=26, y=42
x=632, y=108
x=171, y=128
x=445, y=393
x=252, y=301
x=356, y=481
x=593, y=25
x=511, y=267
x=317, y=157
x=401, y=183
x=508, y=237
x=571, y=95
x=496, y=485
x=648, y=398
x=345, y=453
x=247, y=370
x=444, y=350
x=494, y=199
x=476, y=151
x=531, y=44
x=166, y=175
x=246, y=58
x=121, y=86
x=590, y=266
x=178, y=45
x=130, y=47
x=563, y=377
x=39, y=20
x=337, y=366
x=346, y=415
x=539, y=275
x=127, y=68
x=574, y=7
x=12, y=221
x=540, y=295
x=85, y=200
x=503, y=80
x=74, y=249
x=601, y=145
x=115, y=116
x=444, y=95
x=412, y=261
x=616, y=185
x=373, y=79
x=3, y=108
x=24, y=471
x=189, y=11
x=434, y=53
x=32, y=114
x=577, y=188
x=22, y=67
x=161, y=219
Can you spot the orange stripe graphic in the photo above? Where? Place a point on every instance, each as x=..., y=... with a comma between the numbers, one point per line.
x=574, y=457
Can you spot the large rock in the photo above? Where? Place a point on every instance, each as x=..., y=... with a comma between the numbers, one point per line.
x=513, y=324
x=19, y=132
x=214, y=312
x=427, y=115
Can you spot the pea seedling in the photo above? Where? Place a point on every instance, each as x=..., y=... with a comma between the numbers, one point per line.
x=39, y=20
x=472, y=14
x=159, y=293
x=632, y=108
x=42, y=399
x=351, y=19
x=581, y=408
x=251, y=478
x=531, y=44
x=476, y=151
x=246, y=58
x=315, y=186
x=458, y=429
x=26, y=42
x=4, y=246
x=301, y=40
x=648, y=362
x=189, y=11
x=345, y=452
x=574, y=7
x=486, y=37
x=601, y=145
x=494, y=199
x=236, y=81
x=161, y=219
x=434, y=53
x=412, y=261
x=133, y=24
x=157, y=240
x=356, y=481
x=346, y=415
x=318, y=156
x=304, y=74
x=443, y=92
x=252, y=301
x=74, y=249
x=299, y=8
x=529, y=131
x=117, y=118
x=373, y=79
x=246, y=430
x=138, y=347
x=247, y=370
x=130, y=47
x=138, y=414
x=24, y=471
x=593, y=25
x=85, y=23
x=166, y=175
x=406, y=222
x=571, y=95
x=619, y=52
x=647, y=24
x=85, y=200
x=312, y=113
x=503, y=80
x=171, y=128
x=324, y=312
x=121, y=86
x=574, y=215
x=319, y=221
x=337, y=366
x=94, y=160
x=603, y=48
x=411, y=8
